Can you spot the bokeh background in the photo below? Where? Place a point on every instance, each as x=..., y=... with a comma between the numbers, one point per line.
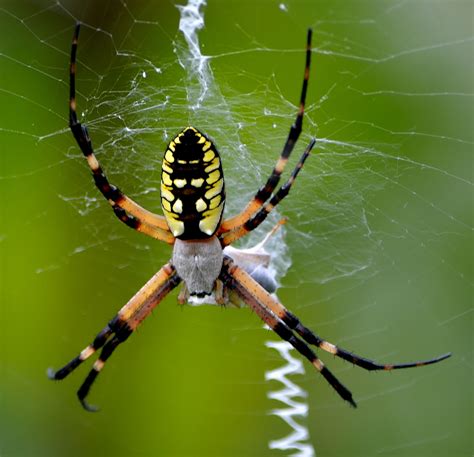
x=379, y=236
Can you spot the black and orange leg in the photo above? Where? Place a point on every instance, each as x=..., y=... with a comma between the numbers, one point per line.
x=363, y=362
x=120, y=328
x=124, y=207
x=264, y=192
x=311, y=338
x=253, y=222
x=241, y=282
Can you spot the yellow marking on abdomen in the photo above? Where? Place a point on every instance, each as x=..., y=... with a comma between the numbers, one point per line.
x=214, y=165
x=179, y=183
x=178, y=206
x=213, y=177
x=176, y=227
x=166, y=167
x=165, y=193
x=214, y=203
x=208, y=156
x=169, y=156
x=210, y=220
x=165, y=177
x=201, y=205
x=197, y=182
x=214, y=190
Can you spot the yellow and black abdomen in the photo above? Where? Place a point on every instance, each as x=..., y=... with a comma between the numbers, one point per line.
x=192, y=186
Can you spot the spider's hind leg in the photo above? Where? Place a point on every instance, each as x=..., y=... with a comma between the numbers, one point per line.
x=106, y=352
x=241, y=282
x=311, y=338
x=98, y=342
x=138, y=308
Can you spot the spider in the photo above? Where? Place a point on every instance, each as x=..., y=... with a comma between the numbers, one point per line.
x=192, y=200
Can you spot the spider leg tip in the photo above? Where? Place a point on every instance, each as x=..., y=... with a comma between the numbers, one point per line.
x=51, y=374
x=88, y=407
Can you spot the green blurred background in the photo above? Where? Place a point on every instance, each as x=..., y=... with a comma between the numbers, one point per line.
x=379, y=234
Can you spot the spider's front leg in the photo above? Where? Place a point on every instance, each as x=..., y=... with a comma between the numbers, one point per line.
x=120, y=328
x=129, y=212
x=253, y=222
x=264, y=193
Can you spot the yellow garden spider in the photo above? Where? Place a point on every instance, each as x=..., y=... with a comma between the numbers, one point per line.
x=192, y=199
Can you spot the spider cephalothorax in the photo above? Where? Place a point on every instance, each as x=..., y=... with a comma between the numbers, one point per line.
x=198, y=263
x=192, y=198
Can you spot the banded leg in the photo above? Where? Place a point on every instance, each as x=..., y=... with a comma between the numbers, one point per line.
x=120, y=328
x=294, y=324
x=264, y=192
x=137, y=218
x=245, y=289
x=253, y=222
x=98, y=342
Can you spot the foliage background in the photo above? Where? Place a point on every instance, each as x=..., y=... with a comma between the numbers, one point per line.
x=392, y=81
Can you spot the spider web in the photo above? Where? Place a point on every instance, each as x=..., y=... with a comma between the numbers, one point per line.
x=390, y=105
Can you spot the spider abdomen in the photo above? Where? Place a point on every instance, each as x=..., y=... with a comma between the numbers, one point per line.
x=192, y=186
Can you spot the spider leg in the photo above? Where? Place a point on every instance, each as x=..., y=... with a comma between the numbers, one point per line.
x=311, y=338
x=138, y=218
x=120, y=328
x=245, y=286
x=265, y=191
x=253, y=222
x=362, y=362
x=98, y=342
x=83, y=391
